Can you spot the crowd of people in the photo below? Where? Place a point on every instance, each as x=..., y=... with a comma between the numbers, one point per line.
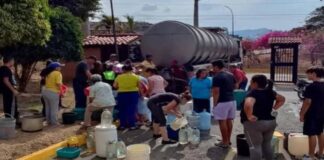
x=124, y=88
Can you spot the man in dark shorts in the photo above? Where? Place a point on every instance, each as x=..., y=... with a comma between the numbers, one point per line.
x=312, y=112
x=224, y=109
x=80, y=81
x=7, y=88
x=161, y=104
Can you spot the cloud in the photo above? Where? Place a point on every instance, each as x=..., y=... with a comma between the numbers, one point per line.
x=167, y=10
x=149, y=7
x=206, y=7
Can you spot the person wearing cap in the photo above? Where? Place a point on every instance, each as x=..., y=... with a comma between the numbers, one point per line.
x=100, y=97
x=51, y=92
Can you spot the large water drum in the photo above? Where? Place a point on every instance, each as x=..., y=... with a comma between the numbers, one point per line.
x=172, y=40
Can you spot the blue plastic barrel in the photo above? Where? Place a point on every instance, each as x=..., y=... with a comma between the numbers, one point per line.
x=204, y=120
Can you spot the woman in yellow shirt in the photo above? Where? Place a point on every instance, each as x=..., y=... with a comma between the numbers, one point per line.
x=51, y=91
x=128, y=85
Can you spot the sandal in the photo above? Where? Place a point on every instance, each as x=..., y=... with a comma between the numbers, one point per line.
x=222, y=145
x=133, y=128
x=168, y=142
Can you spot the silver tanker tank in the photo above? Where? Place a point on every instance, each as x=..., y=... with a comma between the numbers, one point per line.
x=172, y=40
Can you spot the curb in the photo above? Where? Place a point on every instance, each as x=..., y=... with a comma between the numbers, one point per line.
x=50, y=151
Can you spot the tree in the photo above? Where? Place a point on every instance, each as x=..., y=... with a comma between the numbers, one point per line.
x=316, y=19
x=65, y=42
x=80, y=8
x=247, y=45
x=24, y=22
x=130, y=23
x=313, y=45
x=107, y=22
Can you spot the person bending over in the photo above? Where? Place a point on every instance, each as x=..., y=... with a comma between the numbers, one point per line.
x=161, y=104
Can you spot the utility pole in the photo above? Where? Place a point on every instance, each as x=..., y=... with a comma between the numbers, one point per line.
x=114, y=27
x=196, y=13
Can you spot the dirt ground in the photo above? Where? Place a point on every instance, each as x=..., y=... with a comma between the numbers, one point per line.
x=25, y=143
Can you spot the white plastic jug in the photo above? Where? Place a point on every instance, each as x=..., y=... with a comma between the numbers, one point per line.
x=138, y=152
x=179, y=123
x=298, y=144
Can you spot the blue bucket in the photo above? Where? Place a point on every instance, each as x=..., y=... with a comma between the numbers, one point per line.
x=79, y=113
x=174, y=135
x=239, y=96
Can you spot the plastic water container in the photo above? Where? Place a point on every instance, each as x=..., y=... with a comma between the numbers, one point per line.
x=239, y=96
x=7, y=127
x=138, y=152
x=194, y=137
x=298, y=144
x=179, y=123
x=183, y=136
x=193, y=120
x=170, y=118
x=104, y=133
x=204, y=120
x=242, y=145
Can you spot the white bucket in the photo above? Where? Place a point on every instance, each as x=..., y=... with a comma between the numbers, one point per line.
x=298, y=144
x=138, y=152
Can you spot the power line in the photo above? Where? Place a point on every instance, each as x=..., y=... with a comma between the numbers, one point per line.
x=225, y=15
x=254, y=3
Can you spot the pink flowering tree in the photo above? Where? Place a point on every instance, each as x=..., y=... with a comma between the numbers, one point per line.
x=313, y=45
x=247, y=45
x=263, y=41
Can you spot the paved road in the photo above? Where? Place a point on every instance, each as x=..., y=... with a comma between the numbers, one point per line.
x=287, y=122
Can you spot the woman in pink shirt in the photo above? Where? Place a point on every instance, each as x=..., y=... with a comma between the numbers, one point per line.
x=157, y=83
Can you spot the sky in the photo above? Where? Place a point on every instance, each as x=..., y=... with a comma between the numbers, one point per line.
x=248, y=14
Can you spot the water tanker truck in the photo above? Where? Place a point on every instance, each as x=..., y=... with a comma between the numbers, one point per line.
x=172, y=40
